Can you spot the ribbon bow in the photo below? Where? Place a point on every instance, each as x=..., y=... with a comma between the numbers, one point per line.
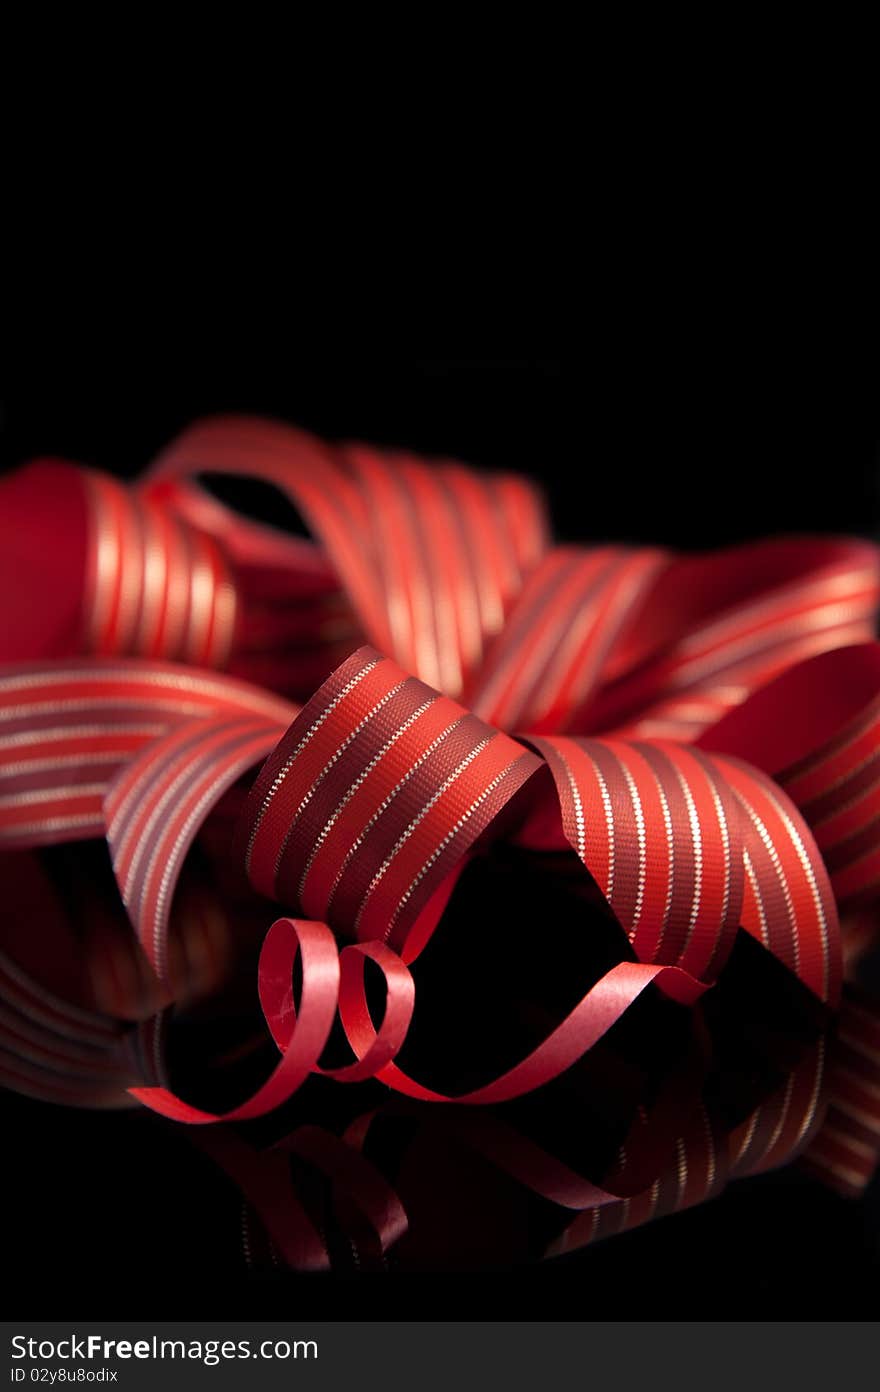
x=694, y=739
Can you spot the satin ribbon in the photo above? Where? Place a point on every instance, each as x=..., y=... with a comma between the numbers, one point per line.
x=698, y=798
x=449, y=571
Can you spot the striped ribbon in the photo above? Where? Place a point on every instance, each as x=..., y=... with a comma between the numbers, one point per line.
x=702, y=732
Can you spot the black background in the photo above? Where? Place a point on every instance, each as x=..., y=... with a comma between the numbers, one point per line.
x=694, y=447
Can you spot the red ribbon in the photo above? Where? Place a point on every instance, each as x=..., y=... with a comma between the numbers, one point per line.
x=701, y=731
